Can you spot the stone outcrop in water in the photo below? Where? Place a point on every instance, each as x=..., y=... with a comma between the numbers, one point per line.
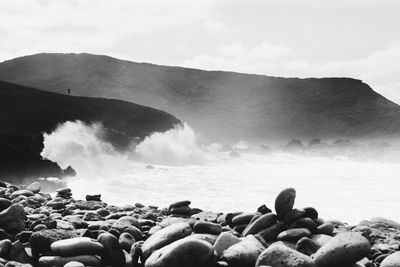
x=40, y=230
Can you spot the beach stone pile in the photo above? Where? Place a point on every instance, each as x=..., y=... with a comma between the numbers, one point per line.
x=37, y=229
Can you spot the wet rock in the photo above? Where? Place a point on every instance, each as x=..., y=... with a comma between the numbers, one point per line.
x=22, y=192
x=208, y=216
x=263, y=209
x=244, y=253
x=243, y=218
x=18, y=253
x=74, y=264
x=224, y=241
x=307, y=246
x=344, y=249
x=293, y=235
x=205, y=237
x=12, y=219
x=203, y=227
x=5, y=247
x=271, y=233
x=93, y=197
x=76, y=246
x=4, y=204
x=393, y=260
x=326, y=228
x=304, y=223
x=164, y=237
x=40, y=241
x=92, y=216
x=284, y=202
x=282, y=256
x=311, y=213
x=57, y=261
x=183, y=253
x=113, y=254
x=34, y=187
x=261, y=223
x=17, y=264
x=293, y=215
x=321, y=239
x=126, y=241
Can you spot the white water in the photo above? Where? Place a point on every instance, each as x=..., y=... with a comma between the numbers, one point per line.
x=213, y=180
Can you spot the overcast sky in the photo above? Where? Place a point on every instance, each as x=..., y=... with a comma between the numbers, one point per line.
x=302, y=38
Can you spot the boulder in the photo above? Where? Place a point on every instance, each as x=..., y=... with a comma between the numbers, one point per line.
x=164, y=237
x=283, y=256
x=57, y=261
x=203, y=227
x=183, y=253
x=344, y=249
x=76, y=246
x=261, y=223
x=393, y=260
x=113, y=254
x=224, y=241
x=41, y=241
x=244, y=253
x=34, y=187
x=284, y=202
x=12, y=219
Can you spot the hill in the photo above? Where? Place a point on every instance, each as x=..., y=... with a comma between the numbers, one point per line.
x=25, y=113
x=220, y=106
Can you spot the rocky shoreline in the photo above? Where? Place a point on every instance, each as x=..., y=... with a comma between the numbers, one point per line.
x=37, y=229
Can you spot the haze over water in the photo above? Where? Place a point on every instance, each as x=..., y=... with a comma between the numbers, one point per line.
x=214, y=180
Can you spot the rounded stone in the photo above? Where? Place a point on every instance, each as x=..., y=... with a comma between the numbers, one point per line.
x=293, y=235
x=284, y=202
x=57, y=261
x=271, y=233
x=35, y=187
x=311, y=213
x=393, y=260
x=224, y=241
x=203, y=227
x=283, y=256
x=164, y=237
x=261, y=223
x=326, y=228
x=293, y=215
x=244, y=253
x=113, y=254
x=12, y=219
x=344, y=249
x=77, y=246
x=126, y=241
x=307, y=246
x=74, y=264
x=243, y=218
x=183, y=253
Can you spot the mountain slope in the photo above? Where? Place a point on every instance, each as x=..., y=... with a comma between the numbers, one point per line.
x=222, y=106
x=26, y=113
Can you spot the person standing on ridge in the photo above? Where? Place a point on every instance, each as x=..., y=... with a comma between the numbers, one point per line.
x=69, y=91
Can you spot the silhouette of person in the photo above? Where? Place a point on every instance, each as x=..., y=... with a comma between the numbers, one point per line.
x=69, y=91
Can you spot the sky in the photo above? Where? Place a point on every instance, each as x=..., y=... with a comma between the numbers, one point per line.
x=288, y=38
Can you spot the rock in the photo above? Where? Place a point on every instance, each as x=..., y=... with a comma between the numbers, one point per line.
x=321, y=239
x=178, y=204
x=17, y=264
x=282, y=256
x=34, y=187
x=203, y=227
x=205, y=237
x=183, y=253
x=23, y=192
x=304, y=223
x=5, y=247
x=224, y=241
x=164, y=237
x=74, y=264
x=344, y=249
x=243, y=218
x=12, y=219
x=263, y=209
x=307, y=246
x=40, y=241
x=325, y=228
x=284, y=202
x=126, y=241
x=244, y=253
x=92, y=216
x=183, y=210
x=393, y=260
x=113, y=254
x=76, y=246
x=130, y=225
x=293, y=215
x=261, y=223
x=93, y=197
x=384, y=221
x=4, y=204
x=271, y=233
x=18, y=253
x=311, y=213
x=206, y=216
x=57, y=261
x=64, y=225
x=293, y=235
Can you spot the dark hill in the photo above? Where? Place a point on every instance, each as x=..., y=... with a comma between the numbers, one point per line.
x=222, y=106
x=26, y=113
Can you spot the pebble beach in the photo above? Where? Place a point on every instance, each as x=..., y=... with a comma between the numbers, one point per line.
x=41, y=229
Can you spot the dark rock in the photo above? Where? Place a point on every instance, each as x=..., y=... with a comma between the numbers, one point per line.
x=293, y=235
x=4, y=204
x=282, y=256
x=126, y=241
x=113, y=254
x=284, y=202
x=5, y=247
x=12, y=219
x=93, y=197
x=263, y=222
x=57, y=261
x=307, y=246
x=311, y=213
x=244, y=253
x=76, y=246
x=263, y=209
x=203, y=227
x=40, y=241
x=271, y=233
